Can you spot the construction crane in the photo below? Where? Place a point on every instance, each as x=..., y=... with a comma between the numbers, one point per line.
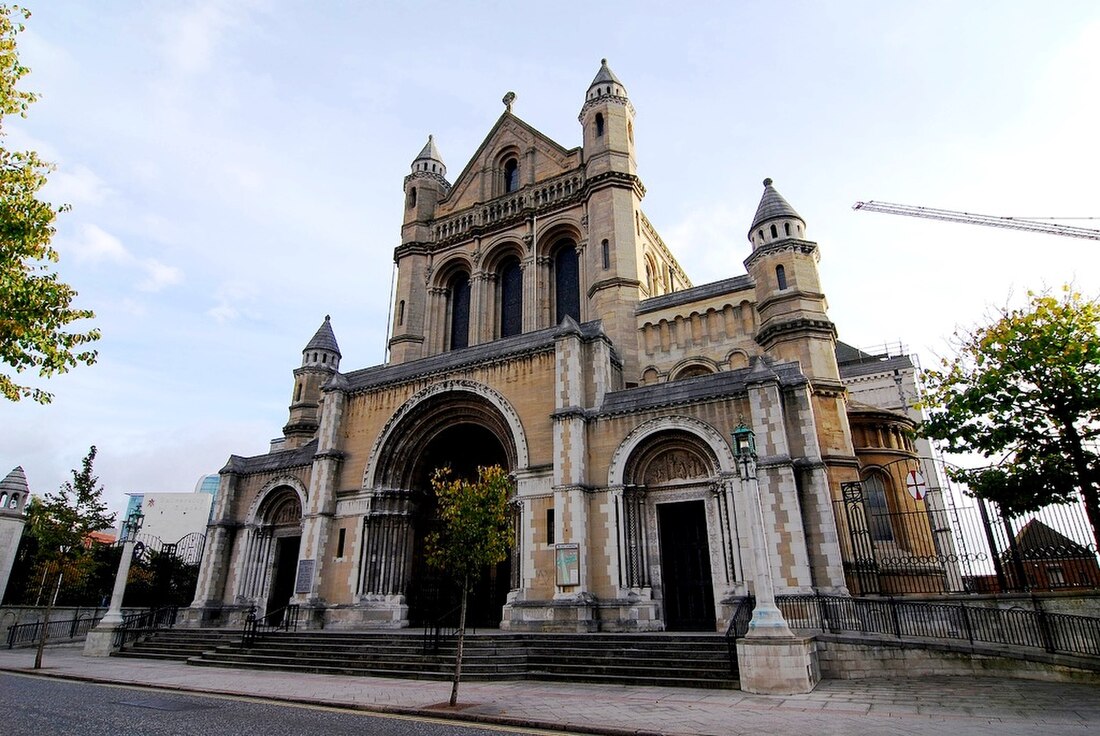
x=969, y=218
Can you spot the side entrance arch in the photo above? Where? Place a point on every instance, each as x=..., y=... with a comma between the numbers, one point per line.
x=270, y=551
x=679, y=536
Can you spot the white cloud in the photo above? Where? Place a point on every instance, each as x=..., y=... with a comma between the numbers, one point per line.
x=709, y=240
x=159, y=276
x=77, y=185
x=94, y=245
x=231, y=297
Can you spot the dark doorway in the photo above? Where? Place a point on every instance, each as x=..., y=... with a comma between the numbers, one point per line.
x=432, y=594
x=685, y=566
x=286, y=569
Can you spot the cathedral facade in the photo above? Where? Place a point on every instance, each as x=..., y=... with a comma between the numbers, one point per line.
x=542, y=324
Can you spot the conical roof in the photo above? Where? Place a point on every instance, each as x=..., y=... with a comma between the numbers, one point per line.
x=605, y=75
x=773, y=207
x=324, y=339
x=15, y=482
x=429, y=152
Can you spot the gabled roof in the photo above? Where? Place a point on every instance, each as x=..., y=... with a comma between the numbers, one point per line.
x=1036, y=540
x=772, y=207
x=323, y=339
x=507, y=122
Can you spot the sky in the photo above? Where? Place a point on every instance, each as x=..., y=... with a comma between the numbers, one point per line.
x=234, y=170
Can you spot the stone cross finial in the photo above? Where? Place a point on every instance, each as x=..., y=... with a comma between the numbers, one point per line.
x=508, y=99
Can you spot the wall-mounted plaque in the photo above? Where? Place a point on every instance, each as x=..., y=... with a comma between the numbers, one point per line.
x=305, y=576
x=567, y=561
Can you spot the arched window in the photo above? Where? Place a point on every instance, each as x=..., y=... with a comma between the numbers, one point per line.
x=649, y=278
x=298, y=393
x=511, y=175
x=878, y=511
x=787, y=228
x=599, y=124
x=401, y=312
x=567, y=298
x=781, y=277
x=460, y=311
x=775, y=233
x=412, y=197
x=511, y=298
x=606, y=254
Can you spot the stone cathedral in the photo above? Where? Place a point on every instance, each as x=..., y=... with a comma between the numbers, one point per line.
x=541, y=323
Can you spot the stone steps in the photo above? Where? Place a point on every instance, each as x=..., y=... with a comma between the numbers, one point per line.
x=688, y=660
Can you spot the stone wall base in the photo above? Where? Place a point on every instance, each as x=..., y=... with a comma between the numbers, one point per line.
x=100, y=641
x=778, y=666
x=577, y=615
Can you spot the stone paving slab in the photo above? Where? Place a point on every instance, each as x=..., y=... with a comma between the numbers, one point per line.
x=994, y=706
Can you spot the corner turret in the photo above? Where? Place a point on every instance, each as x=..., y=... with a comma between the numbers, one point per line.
x=14, y=495
x=775, y=219
x=607, y=118
x=320, y=361
x=424, y=187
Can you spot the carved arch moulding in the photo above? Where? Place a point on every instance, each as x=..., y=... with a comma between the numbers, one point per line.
x=386, y=437
x=708, y=435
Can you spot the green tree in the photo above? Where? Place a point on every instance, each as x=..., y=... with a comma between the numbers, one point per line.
x=475, y=532
x=1024, y=392
x=60, y=524
x=35, y=305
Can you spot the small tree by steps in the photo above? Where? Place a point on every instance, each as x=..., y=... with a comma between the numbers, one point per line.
x=475, y=532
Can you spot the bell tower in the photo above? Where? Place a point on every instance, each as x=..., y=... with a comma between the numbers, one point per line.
x=613, y=251
x=320, y=361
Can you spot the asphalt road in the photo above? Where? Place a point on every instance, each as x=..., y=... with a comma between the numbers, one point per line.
x=38, y=706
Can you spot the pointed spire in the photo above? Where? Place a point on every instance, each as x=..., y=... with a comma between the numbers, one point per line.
x=429, y=160
x=606, y=76
x=324, y=339
x=773, y=207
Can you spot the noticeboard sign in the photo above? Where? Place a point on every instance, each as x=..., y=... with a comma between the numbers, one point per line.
x=567, y=562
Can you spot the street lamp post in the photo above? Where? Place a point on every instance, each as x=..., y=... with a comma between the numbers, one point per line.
x=130, y=529
x=100, y=641
x=767, y=619
x=770, y=658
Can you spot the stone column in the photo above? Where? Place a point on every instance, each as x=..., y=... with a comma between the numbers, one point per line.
x=220, y=537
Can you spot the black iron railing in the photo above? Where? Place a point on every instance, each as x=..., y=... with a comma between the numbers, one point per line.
x=64, y=630
x=738, y=627
x=906, y=619
x=138, y=625
x=442, y=628
x=282, y=619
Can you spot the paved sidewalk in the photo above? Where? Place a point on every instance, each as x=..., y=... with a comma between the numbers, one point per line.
x=926, y=706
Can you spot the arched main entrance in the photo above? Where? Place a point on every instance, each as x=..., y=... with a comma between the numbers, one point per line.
x=455, y=426
x=270, y=550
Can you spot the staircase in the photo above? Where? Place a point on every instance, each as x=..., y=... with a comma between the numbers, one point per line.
x=684, y=660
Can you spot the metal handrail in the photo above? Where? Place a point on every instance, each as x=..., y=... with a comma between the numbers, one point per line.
x=434, y=631
x=142, y=623
x=286, y=619
x=738, y=627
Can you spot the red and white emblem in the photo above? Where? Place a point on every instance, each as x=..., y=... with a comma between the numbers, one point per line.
x=914, y=483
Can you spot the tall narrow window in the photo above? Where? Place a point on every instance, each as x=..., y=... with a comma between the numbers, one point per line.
x=775, y=233
x=549, y=526
x=511, y=298
x=511, y=175
x=298, y=393
x=567, y=300
x=460, y=311
x=606, y=254
x=401, y=312
x=599, y=124
x=412, y=197
x=340, y=539
x=878, y=511
x=787, y=228
x=781, y=277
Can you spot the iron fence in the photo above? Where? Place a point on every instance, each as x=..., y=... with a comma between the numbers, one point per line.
x=255, y=627
x=906, y=619
x=906, y=529
x=64, y=630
